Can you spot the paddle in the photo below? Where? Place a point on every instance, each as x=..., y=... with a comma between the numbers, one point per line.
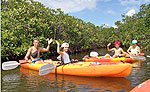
x=10, y=65
x=139, y=58
x=148, y=56
x=45, y=69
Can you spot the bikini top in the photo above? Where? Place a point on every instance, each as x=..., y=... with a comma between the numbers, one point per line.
x=34, y=54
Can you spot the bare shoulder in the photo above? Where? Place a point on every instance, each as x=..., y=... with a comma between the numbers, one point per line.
x=121, y=49
x=113, y=49
x=61, y=53
x=30, y=48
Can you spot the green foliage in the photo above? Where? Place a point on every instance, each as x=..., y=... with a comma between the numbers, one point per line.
x=25, y=20
x=134, y=27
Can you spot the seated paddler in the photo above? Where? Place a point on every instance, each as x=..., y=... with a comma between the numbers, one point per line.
x=63, y=53
x=33, y=53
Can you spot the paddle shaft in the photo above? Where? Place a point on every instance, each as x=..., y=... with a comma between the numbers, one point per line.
x=60, y=65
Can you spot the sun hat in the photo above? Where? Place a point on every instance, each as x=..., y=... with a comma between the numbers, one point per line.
x=93, y=54
x=65, y=45
x=117, y=42
x=134, y=42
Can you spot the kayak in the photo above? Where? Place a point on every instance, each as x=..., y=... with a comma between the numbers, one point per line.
x=101, y=83
x=100, y=59
x=143, y=87
x=127, y=59
x=89, y=69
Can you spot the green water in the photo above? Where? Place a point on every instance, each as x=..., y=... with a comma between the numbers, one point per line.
x=24, y=80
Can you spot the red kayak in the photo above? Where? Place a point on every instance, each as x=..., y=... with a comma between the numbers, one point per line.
x=143, y=87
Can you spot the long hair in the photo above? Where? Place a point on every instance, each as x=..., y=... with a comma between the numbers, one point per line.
x=69, y=51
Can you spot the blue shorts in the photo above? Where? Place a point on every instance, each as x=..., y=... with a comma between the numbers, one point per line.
x=33, y=61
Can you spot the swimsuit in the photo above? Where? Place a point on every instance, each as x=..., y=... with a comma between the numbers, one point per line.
x=33, y=61
x=35, y=54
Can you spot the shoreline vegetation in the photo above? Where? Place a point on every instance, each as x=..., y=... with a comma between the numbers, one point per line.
x=24, y=20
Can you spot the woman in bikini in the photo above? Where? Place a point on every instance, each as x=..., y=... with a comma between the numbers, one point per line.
x=34, y=53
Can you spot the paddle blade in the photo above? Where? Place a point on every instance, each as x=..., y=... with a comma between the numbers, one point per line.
x=45, y=69
x=140, y=58
x=148, y=56
x=10, y=65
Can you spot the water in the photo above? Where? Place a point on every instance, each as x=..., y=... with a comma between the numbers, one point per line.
x=25, y=80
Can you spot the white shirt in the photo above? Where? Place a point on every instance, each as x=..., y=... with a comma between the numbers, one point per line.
x=65, y=58
x=134, y=50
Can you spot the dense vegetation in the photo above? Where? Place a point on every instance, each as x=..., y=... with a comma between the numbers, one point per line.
x=24, y=20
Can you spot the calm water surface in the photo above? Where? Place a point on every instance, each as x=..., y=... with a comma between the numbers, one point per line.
x=25, y=80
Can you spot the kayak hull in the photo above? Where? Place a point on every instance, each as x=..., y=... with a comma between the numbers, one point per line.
x=103, y=83
x=105, y=69
x=143, y=87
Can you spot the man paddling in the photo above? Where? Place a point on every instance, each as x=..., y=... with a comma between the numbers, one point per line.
x=34, y=53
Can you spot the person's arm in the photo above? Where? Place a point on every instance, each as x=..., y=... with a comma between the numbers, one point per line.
x=108, y=47
x=129, y=50
x=122, y=50
x=28, y=54
x=139, y=50
x=58, y=48
x=46, y=49
x=124, y=53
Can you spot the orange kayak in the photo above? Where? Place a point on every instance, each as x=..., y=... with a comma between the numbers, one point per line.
x=90, y=69
x=143, y=87
x=103, y=83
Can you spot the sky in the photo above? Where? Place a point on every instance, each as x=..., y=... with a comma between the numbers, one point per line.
x=98, y=12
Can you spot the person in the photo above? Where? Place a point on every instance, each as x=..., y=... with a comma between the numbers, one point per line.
x=117, y=50
x=93, y=54
x=134, y=50
x=34, y=53
x=63, y=52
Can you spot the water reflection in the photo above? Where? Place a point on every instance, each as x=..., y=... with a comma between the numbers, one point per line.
x=72, y=83
x=10, y=81
x=25, y=80
x=139, y=74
